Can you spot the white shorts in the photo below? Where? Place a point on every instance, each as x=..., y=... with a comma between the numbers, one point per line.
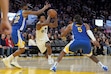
x=41, y=45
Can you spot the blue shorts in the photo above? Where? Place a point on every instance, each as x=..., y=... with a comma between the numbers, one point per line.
x=73, y=46
x=17, y=38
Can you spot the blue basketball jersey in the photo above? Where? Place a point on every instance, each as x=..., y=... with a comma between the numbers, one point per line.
x=79, y=32
x=19, y=21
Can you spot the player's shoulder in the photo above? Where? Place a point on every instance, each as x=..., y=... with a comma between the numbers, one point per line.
x=86, y=25
x=70, y=26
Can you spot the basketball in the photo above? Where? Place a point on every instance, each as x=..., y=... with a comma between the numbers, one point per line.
x=52, y=13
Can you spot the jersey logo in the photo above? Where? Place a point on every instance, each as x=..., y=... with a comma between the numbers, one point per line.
x=79, y=29
x=44, y=31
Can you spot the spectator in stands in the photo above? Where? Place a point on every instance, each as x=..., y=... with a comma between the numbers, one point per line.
x=3, y=46
x=2, y=43
x=32, y=45
x=29, y=30
x=25, y=35
x=108, y=46
x=9, y=43
x=31, y=41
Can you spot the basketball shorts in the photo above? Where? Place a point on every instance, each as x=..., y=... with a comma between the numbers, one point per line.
x=76, y=45
x=18, y=39
x=41, y=44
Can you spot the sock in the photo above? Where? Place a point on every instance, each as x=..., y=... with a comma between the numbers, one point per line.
x=49, y=56
x=55, y=64
x=15, y=59
x=10, y=58
x=100, y=64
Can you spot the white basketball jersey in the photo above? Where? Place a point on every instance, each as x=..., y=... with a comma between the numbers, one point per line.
x=42, y=34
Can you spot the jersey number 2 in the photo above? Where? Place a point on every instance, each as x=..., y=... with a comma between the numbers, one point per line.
x=79, y=29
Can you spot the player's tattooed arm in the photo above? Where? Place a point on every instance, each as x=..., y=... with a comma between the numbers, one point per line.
x=37, y=12
x=65, y=31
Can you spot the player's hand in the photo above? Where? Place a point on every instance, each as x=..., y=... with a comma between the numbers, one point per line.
x=96, y=43
x=47, y=6
x=48, y=15
x=5, y=27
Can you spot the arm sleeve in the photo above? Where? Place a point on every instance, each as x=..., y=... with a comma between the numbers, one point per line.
x=91, y=35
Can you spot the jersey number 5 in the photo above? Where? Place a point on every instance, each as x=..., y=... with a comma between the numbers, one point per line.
x=16, y=18
x=79, y=29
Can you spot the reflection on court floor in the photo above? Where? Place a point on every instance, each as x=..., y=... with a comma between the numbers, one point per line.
x=69, y=65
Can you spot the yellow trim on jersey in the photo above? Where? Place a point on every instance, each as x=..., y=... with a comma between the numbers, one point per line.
x=88, y=55
x=66, y=49
x=20, y=44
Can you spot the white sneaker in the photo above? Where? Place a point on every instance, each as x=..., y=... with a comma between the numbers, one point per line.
x=15, y=64
x=7, y=63
x=105, y=68
x=53, y=68
x=50, y=61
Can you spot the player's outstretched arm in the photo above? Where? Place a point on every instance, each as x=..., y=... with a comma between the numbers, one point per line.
x=37, y=12
x=65, y=31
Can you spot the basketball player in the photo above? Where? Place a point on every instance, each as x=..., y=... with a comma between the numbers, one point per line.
x=5, y=26
x=80, y=31
x=42, y=39
x=17, y=28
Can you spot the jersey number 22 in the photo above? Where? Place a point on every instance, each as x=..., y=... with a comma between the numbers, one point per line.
x=17, y=18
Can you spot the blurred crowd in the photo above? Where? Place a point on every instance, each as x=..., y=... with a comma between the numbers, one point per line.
x=88, y=9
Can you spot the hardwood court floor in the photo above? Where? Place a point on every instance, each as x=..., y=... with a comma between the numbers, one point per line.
x=69, y=65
